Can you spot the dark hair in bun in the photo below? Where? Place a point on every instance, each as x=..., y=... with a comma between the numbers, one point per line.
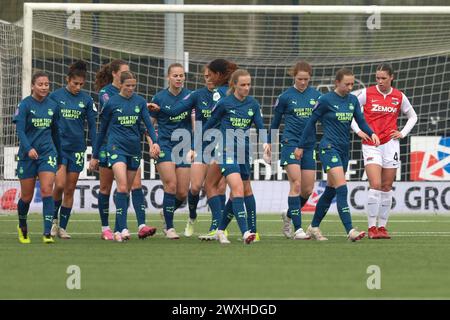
x=77, y=69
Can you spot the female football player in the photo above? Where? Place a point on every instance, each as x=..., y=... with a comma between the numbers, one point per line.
x=335, y=110
x=121, y=119
x=36, y=127
x=382, y=105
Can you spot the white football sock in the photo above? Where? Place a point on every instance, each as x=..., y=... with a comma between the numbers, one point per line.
x=385, y=207
x=373, y=205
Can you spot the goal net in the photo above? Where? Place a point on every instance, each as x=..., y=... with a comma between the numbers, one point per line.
x=10, y=95
x=266, y=40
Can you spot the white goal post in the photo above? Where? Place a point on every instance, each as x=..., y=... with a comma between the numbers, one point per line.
x=29, y=7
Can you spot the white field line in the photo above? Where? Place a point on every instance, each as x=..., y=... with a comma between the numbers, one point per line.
x=278, y=235
x=132, y=218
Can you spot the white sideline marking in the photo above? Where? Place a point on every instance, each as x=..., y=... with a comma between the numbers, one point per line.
x=279, y=235
x=258, y=220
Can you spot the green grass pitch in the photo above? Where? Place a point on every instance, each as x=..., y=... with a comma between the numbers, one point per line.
x=414, y=264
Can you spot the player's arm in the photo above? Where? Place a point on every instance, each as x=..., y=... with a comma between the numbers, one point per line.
x=148, y=139
x=153, y=111
x=355, y=127
x=91, y=119
x=105, y=118
x=20, y=121
x=103, y=97
x=362, y=98
x=262, y=133
x=359, y=118
x=154, y=146
x=217, y=112
x=148, y=123
x=279, y=108
x=55, y=131
x=193, y=134
x=259, y=124
x=193, y=118
x=308, y=138
x=411, y=114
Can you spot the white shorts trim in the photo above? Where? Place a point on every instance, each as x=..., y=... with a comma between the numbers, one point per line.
x=386, y=155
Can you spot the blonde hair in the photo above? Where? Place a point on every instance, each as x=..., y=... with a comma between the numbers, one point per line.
x=235, y=78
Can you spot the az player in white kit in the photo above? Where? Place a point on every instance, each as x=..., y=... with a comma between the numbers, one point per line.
x=382, y=105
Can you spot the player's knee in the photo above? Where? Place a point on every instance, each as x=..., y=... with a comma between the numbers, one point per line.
x=136, y=184
x=296, y=186
x=222, y=188
x=69, y=191
x=195, y=189
x=211, y=192
x=248, y=189
x=376, y=185
x=209, y=184
x=59, y=187
x=248, y=193
x=46, y=191
x=386, y=188
x=306, y=192
x=26, y=197
x=170, y=187
x=122, y=188
x=238, y=191
x=181, y=196
x=105, y=189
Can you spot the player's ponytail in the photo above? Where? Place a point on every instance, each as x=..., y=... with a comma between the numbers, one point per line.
x=104, y=75
x=235, y=78
x=77, y=69
x=224, y=69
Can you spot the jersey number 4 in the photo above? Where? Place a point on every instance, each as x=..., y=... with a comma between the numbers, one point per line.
x=396, y=156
